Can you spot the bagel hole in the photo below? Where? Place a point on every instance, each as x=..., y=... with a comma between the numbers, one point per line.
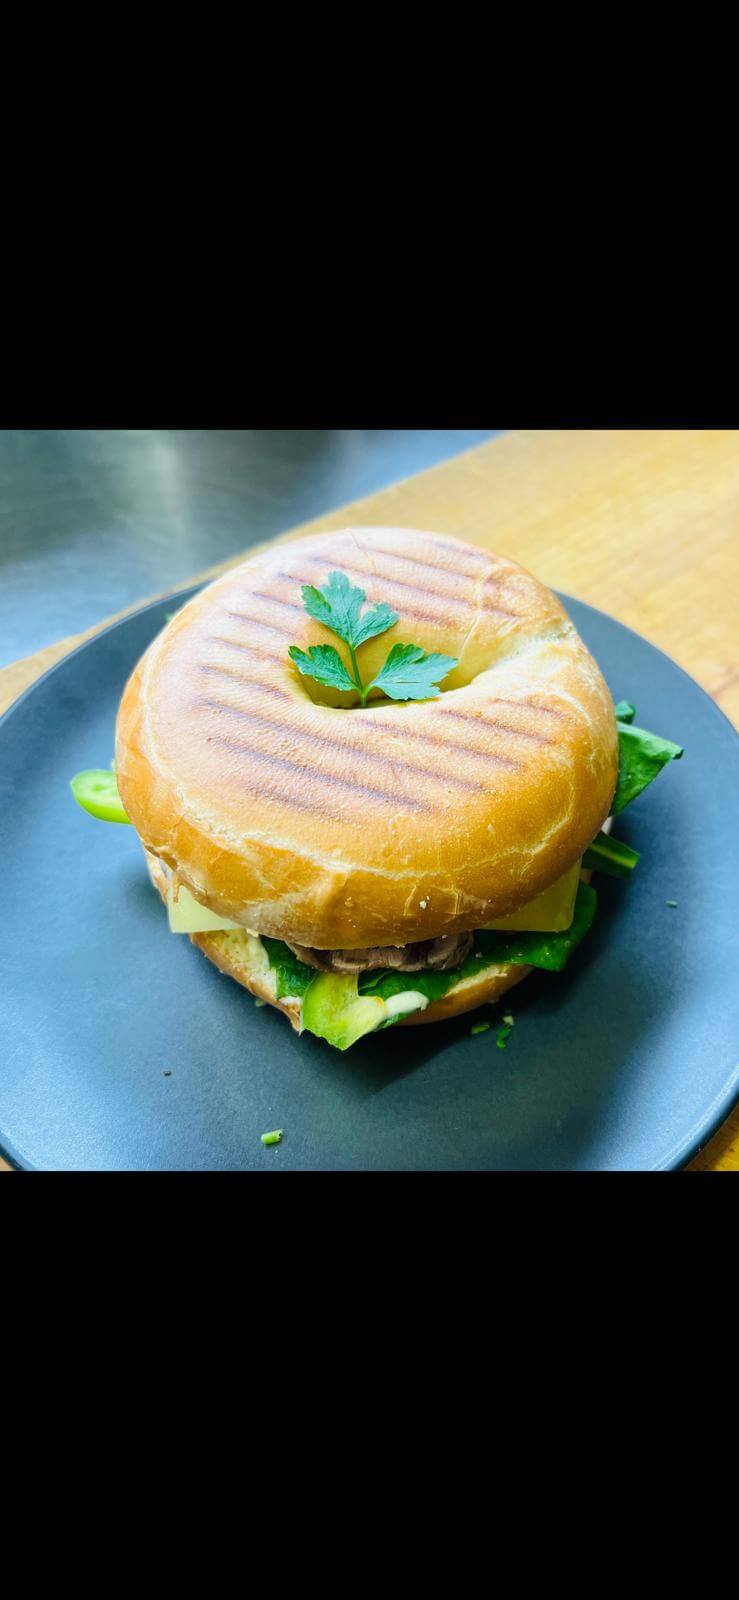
x=370, y=658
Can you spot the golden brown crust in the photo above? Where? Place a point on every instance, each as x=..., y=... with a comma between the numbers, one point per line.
x=227, y=953
x=382, y=826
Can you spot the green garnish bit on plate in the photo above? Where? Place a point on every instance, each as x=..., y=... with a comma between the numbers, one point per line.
x=272, y=1138
x=480, y=1027
x=502, y=1035
x=96, y=791
x=670, y=902
x=407, y=673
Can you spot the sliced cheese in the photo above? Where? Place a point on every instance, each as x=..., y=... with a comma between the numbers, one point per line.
x=186, y=915
x=550, y=912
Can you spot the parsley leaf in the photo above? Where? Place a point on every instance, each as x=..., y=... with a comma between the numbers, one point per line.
x=339, y=605
x=323, y=663
x=409, y=673
x=375, y=621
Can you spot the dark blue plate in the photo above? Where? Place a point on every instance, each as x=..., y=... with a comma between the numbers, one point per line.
x=122, y=1047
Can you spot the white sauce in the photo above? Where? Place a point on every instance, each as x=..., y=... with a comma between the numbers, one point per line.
x=400, y=1004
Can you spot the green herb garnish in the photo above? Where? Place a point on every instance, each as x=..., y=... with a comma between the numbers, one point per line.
x=480, y=1027
x=408, y=672
x=610, y=856
x=502, y=1035
x=272, y=1138
x=672, y=903
x=323, y=662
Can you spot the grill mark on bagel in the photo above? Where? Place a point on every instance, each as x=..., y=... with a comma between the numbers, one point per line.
x=272, y=792
x=409, y=734
x=365, y=572
x=270, y=627
x=326, y=741
x=336, y=780
x=502, y=727
x=409, y=613
x=431, y=566
x=250, y=683
x=547, y=711
x=418, y=615
x=274, y=600
x=270, y=688
x=247, y=649
x=498, y=611
x=532, y=705
x=450, y=601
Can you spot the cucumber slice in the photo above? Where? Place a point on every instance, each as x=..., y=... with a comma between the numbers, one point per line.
x=96, y=791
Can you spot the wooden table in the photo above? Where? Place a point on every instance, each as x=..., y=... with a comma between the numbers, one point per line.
x=643, y=524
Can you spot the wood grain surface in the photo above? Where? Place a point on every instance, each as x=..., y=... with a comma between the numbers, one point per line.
x=643, y=524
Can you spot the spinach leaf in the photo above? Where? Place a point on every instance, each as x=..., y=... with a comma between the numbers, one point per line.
x=551, y=951
x=292, y=976
x=642, y=756
x=624, y=710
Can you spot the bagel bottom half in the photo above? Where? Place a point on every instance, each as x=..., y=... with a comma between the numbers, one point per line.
x=242, y=956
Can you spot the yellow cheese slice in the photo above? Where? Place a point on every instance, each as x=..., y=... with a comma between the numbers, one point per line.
x=550, y=912
x=186, y=915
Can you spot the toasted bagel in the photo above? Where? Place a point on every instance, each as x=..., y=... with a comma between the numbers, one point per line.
x=334, y=828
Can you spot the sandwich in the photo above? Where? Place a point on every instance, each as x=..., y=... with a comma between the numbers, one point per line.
x=372, y=773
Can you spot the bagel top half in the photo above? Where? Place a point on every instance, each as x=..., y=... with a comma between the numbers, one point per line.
x=335, y=827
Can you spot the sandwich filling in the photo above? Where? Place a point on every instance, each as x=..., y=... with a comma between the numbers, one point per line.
x=343, y=994
x=437, y=955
